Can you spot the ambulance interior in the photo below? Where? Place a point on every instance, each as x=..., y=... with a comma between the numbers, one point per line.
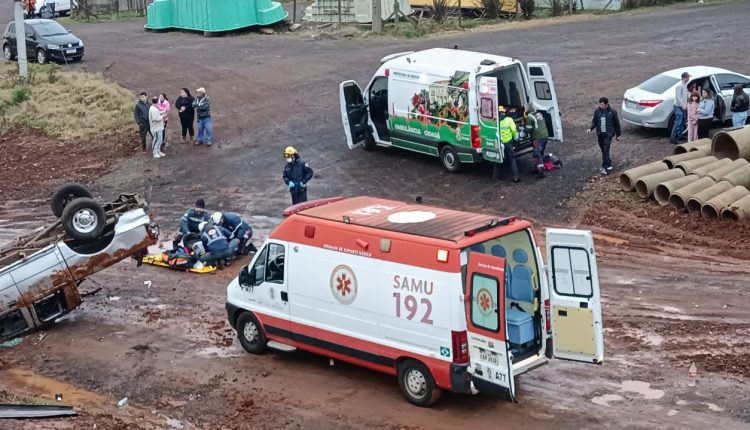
x=511, y=94
x=522, y=291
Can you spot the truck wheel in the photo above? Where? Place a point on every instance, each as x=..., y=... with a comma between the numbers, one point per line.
x=417, y=383
x=65, y=194
x=84, y=219
x=449, y=159
x=250, y=334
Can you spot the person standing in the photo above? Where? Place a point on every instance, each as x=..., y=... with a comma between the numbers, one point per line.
x=156, y=121
x=536, y=127
x=705, y=113
x=297, y=174
x=679, y=109
x=141, y=117
x=202, y=105
x=508, y=136
x=740, y=105
x=164, y=108
x=692, y=115
x=186, y=111
x=607, y=126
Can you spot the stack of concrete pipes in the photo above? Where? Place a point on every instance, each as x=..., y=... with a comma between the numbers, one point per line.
x=709, y=176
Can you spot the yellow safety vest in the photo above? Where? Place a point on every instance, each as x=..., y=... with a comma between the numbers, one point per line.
x=508, y=130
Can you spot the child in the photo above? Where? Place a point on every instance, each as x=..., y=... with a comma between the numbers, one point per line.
x=164, y=108
x=692, y=115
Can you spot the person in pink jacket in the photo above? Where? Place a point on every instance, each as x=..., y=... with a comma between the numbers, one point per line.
x=164, y=108
x=692, y=115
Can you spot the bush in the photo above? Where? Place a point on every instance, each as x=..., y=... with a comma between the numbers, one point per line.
x=527, y=8
x=20, y=94
x=561, y=7
x=439, y=10
x=491, y=8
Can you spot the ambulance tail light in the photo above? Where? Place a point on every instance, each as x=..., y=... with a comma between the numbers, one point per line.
x=460, y=347
x=476, y=143
x=548, y=323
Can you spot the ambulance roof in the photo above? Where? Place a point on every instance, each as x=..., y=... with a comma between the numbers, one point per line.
x=409, y=218
x=452, y=59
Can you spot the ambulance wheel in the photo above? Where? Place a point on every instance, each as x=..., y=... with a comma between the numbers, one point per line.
x=449, y=159
x=417, y=384
x=250, y=333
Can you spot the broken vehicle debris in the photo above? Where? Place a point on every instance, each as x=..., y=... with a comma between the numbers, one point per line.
x=40, y=272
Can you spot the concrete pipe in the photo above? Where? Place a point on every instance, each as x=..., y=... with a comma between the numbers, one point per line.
x=696, y=201
x=712, y=208
x=740, y=176
x=665, y=189
x=629, y=177
x=645, y=186
x=680, y=196
x=672, y=160
x=692, y=146
x=710, y=167
x=737, y=210
x=688, y=166
x=717, y=174
x=732, y=144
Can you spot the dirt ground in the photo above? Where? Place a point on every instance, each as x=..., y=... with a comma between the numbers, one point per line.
x=673, y=285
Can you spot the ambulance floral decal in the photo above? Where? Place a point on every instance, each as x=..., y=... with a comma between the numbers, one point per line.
x=344, y=285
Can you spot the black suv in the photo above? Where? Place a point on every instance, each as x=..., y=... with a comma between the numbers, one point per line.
x=45, y=40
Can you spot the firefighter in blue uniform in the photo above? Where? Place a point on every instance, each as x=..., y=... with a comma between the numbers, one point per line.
x=297, y=174
x=219, y=247
x=240, y=230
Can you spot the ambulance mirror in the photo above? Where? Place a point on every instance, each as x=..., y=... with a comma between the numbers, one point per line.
x=245, y=278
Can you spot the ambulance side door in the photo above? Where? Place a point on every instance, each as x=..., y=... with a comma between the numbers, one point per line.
x=575, y=305
x=266, y=282
x=489, y=131
x=354, y=114
x=544, y=97
x=490, y=362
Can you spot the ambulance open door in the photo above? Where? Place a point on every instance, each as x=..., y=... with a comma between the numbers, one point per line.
x=353, y=113
x=575, y=306
x=544, y=97
x=490, y=362
x=489, y=130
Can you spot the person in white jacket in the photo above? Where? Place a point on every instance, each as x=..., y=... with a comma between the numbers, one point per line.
x=156, y=122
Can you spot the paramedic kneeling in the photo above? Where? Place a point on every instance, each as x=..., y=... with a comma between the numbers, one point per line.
x=240, y=230
x=508, y=135
x=218, y=247
x=297, y=174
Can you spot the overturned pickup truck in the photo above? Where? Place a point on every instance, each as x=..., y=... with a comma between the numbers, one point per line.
x=40, y=272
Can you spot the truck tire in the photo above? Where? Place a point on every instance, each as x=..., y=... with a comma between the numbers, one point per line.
x=65, y=194
x=449, y=158
x=84, y=219
x=417, y=384
x=250, y=333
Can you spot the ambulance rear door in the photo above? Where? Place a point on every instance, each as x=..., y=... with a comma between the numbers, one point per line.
x=544, y=97
x=574, y=296
x=489, y=130
x=353, y=113
x=490, y=362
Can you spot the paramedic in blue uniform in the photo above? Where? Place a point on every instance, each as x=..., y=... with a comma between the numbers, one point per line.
x=240, y=230
x=297, y=174
x=191, y=220
x=219, y=247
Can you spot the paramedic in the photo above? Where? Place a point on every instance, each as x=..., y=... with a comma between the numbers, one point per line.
x=190, y=221
x=607, y=126
x=240, y=230
x=508, y=136
x=219, y=248
x=297, y=174
x=537, y=129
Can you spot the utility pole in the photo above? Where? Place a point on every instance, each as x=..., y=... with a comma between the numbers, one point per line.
x=377, y=17
x=23, y=64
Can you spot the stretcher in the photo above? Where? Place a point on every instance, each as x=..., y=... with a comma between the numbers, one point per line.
x=162, y=259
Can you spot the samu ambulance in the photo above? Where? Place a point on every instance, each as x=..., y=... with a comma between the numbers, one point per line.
x=444, y=103
x=445, y=300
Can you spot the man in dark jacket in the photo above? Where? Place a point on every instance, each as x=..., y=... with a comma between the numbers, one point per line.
x=219, y=248
x=202, y=105
x=536, y=127
x=607, y=125
x=297, y=174
x=238, y=228
x=190, y=221
x=141, y=117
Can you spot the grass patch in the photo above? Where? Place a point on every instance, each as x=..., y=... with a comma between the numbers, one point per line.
x=68, y=104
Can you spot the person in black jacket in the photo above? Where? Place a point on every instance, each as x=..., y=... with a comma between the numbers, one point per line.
x=739, y=107
x=141, y=117
x=607, y=125
x=184, y=106
x=297, y=174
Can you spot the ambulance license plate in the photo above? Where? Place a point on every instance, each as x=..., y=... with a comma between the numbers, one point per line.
x=489, y=357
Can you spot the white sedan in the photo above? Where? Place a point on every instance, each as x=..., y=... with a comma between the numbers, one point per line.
x=650, y=103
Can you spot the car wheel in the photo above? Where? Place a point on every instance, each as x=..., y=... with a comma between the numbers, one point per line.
x=66, y=193
x=41, y=56
x=8, y=53
x=84, y=219
x=449, y=159
x=45, y=12
x=417, y=384
x=250, y=334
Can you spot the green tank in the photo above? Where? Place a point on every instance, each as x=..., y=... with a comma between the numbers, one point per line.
x=212, y=16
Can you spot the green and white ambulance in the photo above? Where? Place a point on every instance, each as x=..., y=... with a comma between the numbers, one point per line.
x=443, y=102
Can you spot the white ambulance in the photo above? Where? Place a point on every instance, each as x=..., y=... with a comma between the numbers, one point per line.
x=445, y=300
x=444, y=103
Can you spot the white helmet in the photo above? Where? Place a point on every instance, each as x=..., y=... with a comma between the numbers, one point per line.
x=216, y=217
x=201, y=225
